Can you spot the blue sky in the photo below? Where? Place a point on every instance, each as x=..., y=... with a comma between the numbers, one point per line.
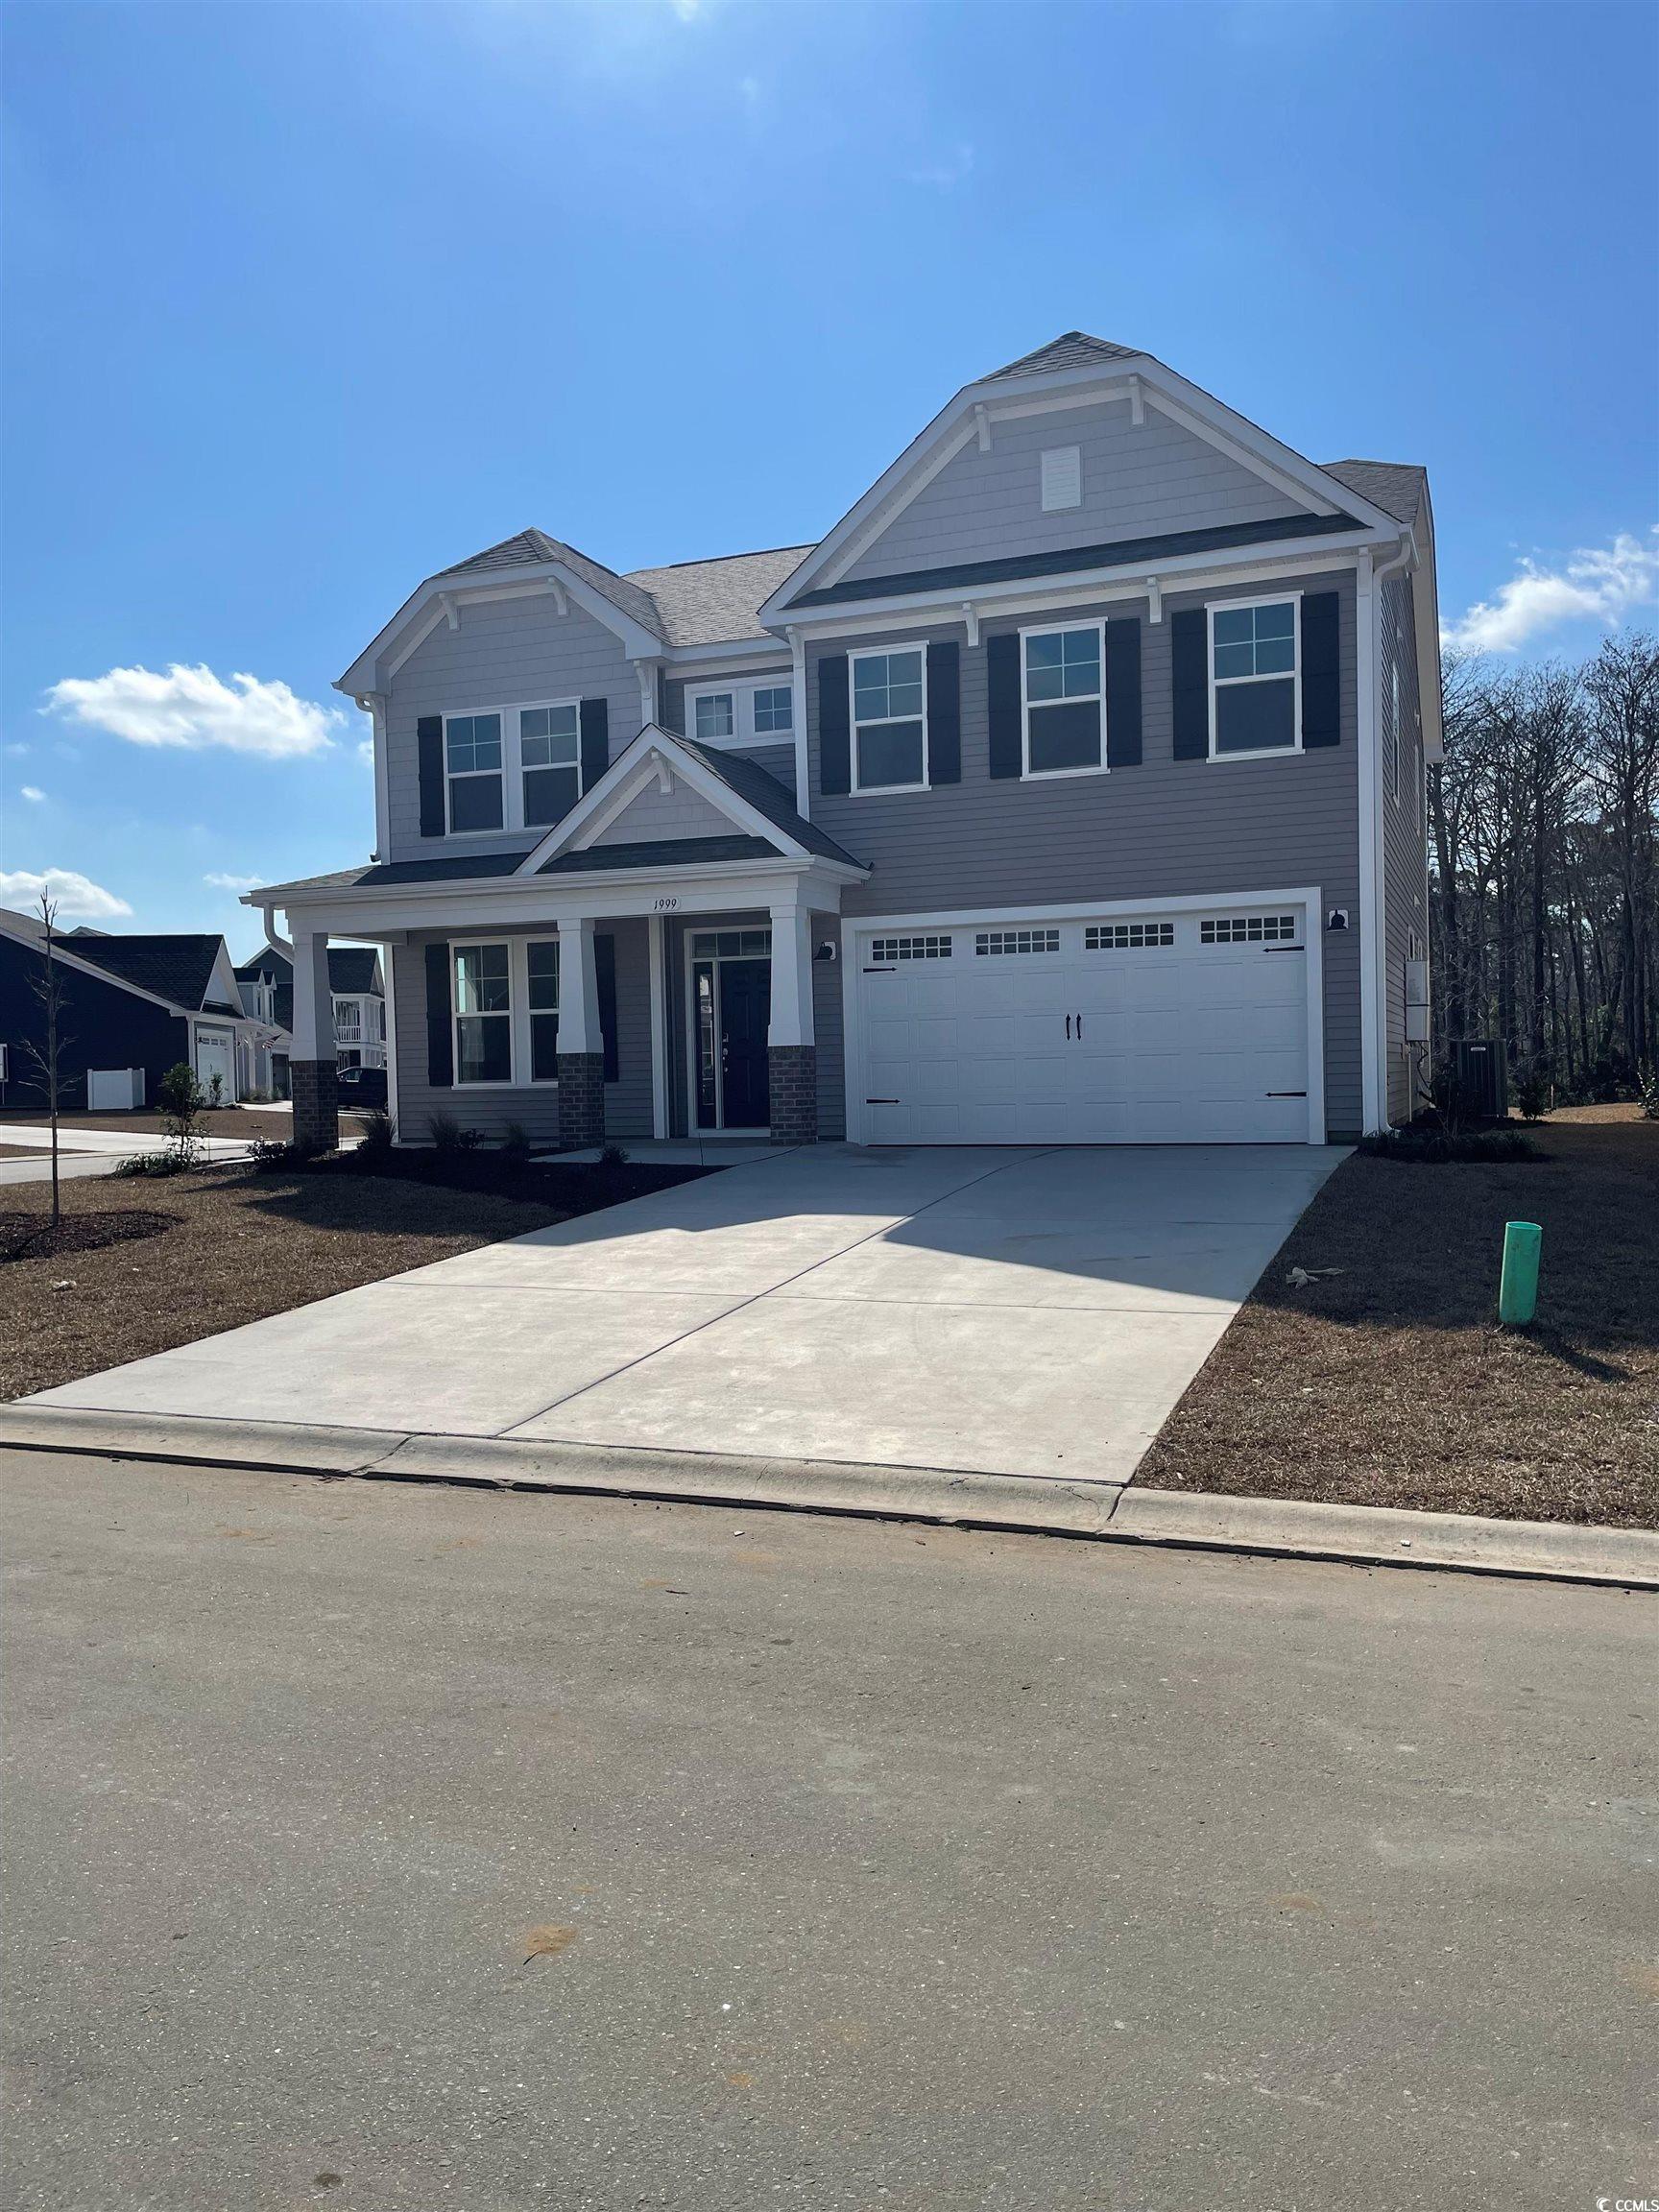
x=305, y=301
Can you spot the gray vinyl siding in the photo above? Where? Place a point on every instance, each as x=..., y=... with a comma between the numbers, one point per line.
x=1404, y=849
x=652, y=815
x=1136, y=481
x=1166, y=828
x=534, y=1105
x=506, y=652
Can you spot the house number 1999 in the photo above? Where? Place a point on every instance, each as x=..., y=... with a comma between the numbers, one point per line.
x=664, y=904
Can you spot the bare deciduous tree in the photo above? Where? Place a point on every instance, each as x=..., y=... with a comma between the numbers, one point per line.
x=47, y=1056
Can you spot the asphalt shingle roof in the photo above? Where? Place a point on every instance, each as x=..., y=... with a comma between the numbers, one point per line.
x=1397, y=487
x=1072, y=349
x=178, y=969
x=704, y=602
x=763, y=792
x=529, y=548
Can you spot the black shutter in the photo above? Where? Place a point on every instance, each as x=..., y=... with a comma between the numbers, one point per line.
x=440, y=1039
x=1123, y=693
x=835, y=734
x=1321, y=669
x=429, y=736
x=944, y=713
x=1002, y=704
x=595, y=740
x=1190, y=681
x=605, y=979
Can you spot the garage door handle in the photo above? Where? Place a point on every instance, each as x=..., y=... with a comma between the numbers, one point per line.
x=1068, y=1024
x=881, y=1101
x=1080, y=1025
x=1284, y=1094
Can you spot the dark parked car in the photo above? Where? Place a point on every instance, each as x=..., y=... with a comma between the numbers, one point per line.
x=362, y=1086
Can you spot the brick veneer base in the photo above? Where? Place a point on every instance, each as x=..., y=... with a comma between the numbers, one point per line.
x=315, y=1089
x=792, y=1077
x=581, y=1099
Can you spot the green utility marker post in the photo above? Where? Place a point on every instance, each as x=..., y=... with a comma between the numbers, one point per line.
x=1518, y=1286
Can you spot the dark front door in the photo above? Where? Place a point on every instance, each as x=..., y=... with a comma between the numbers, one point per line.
x=745, y=1013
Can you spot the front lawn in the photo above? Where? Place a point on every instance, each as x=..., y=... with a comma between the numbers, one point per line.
x=241, y=1124
x=223, y=1245
x=1390, y=1383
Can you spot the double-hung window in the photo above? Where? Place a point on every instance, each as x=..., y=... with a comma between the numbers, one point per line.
x=541, y=959
x=473, y=755
x=1065, y=703
x=549, y=761
x=483, y=1014
x=1255, y=677
x=890, y=720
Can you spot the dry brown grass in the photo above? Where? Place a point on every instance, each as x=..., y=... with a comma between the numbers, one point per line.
x=1392, y=1384
x=244, y=1246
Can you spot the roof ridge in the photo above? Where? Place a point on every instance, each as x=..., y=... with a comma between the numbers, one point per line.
x=709, y=559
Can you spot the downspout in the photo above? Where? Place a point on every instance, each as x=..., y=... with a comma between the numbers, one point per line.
x=1373, y=899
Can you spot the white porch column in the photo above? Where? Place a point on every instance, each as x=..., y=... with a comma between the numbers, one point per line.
x=792, y=1051
x=791, y=976
x=311, y=1072
x=313, y=1000
x=578, y=990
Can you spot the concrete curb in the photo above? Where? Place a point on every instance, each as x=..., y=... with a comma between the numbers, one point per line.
x=1099, y=1512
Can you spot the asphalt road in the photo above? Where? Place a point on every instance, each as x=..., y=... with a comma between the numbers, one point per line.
x=876, y=1866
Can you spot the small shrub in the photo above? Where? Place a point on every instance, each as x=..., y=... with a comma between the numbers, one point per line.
x=612, y=1155
x=151, y=1164
x=216, y=1091
x=270, y=1154
x=1650, y=1093
x=182, y=1099
x=379, y=1130
x=1430, y=1147
x=445, y=1133
x=1533, y=1096
x=515, y=1143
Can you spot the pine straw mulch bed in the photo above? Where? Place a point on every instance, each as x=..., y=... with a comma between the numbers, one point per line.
x=1391, y=1383
x=237, y=1246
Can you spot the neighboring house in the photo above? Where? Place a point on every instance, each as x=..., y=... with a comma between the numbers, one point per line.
x=358, y=992
x=139, y=1004
x=1070, y=789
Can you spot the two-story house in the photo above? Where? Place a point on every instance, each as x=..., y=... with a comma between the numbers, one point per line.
x=1070, y=790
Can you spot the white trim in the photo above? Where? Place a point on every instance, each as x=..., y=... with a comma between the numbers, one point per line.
x=885, y=650
x=1309, y=900
x=693, y=1127
x=524, y=1014
x=478, y=944
x=798, y=682
x=741, y=690
x=633, y=768
x=512, y=770
x=1193, y=573
x=389, y=978
x=1215, y=607
x=1373, y=1065
x=655, y=957
x=1029, y=774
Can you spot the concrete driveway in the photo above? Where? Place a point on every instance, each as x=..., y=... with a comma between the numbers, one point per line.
x=999, y=1311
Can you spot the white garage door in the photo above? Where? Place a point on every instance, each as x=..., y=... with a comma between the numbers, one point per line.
x=1188, y=1028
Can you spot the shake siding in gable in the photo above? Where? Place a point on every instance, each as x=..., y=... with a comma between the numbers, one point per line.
x=1165, y=828
x=1404, y=849
x=506, y=652
x=534, y=1105
x=1136, y=481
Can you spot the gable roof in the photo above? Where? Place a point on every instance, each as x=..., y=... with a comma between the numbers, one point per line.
x=1072, y=349
x=1397, y=487
x=748, y=780
x=531, y=549
x=178, y=969
x=352, y=969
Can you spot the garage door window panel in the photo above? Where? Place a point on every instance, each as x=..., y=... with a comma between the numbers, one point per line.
x=890, y=719
x=1064, y=707
x=1255, y=679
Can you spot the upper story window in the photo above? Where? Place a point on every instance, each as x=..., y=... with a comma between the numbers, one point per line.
x=1065, y=703
x=483, y=1014
x=890, y=720
x=774, y=709
x=550, y=762
x=473, y=750
x=1255, y=677
x=1062, y=477
x=743, y=714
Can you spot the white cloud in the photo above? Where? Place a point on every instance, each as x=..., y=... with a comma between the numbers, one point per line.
x=20, y=889
x=945, y=176
x=16, y=751
x=1595, y=583
x=365, y=751
x=33, y=793
x=194, y=709
x=222, y=882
